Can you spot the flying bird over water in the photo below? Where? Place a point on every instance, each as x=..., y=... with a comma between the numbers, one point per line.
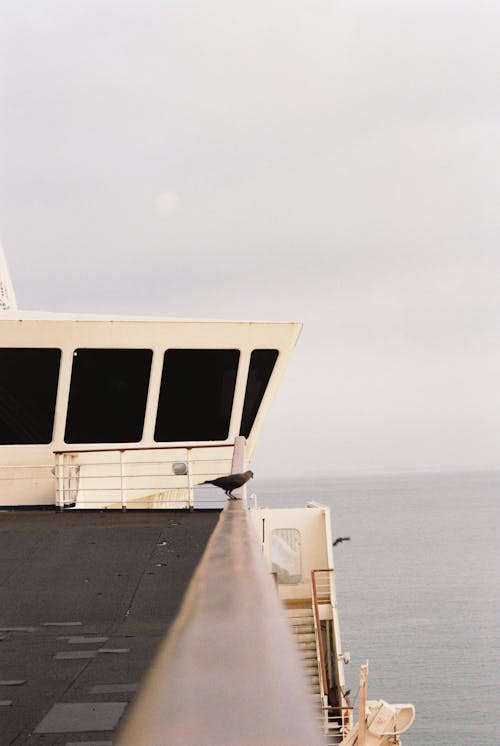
x=341, y=539
x=231, y=482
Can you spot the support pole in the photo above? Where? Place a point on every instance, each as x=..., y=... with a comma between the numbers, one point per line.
x=238, y=465
x=190, y=480
x=7, y=296
x=122, y=474
x=363, y=685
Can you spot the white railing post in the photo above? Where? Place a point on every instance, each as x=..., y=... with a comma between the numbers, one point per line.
x=122, y=475
x=238, y=465
x=190, y=480
x=58, y=476
x=363, y=684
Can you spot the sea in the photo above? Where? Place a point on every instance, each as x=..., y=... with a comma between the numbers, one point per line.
x=418, y=593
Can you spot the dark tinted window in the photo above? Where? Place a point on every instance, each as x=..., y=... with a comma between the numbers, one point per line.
x=28, y=389
x=196, y=395
x=107, y=398
x=261, y=366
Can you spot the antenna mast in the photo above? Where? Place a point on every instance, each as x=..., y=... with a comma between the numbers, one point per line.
x=7, y=295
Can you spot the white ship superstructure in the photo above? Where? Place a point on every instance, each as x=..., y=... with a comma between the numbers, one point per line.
x=7, y=295
x=129, y=412
x=134, y=413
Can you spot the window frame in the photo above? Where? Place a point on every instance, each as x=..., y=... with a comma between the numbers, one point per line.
x=165, y=396
x=53, y=395
x=141, y=399
x=276, y=532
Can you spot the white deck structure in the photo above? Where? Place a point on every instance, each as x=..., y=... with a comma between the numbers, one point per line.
x=100, y=412
x=128, y=411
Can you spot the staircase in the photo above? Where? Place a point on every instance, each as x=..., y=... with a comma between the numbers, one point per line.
x=302, y=624
x=301, y=621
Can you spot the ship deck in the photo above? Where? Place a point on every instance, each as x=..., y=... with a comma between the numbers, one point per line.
x=85, y=600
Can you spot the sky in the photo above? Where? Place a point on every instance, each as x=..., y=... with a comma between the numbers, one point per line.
x=331, y=162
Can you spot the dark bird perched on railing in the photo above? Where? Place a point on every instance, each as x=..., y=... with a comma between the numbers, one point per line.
x=341, y=539
x=231, y=482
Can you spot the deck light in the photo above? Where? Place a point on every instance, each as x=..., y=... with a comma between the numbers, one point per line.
x=179, y=468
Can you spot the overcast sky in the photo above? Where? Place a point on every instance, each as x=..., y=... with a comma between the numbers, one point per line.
x=335, y=162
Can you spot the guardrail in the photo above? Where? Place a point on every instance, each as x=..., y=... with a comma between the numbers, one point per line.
x=336, y=723
x=322, y=593
x=317, y=596
x=228, y=673
x=154, y=478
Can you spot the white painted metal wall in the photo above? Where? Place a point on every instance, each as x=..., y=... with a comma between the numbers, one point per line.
x=315, y=550
x=26, y=471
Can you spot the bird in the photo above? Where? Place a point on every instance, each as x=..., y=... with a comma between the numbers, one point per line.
x=341, y=539
x=231, y=482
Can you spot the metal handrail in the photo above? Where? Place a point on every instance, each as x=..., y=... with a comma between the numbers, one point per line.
x=179, y=447
x=317, y=624
x=124, y=450
x=90, y=483
x=59, y=467
x=341, y=711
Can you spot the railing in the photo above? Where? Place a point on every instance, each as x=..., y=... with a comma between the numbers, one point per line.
x=320, y=595
x=229, y=672
x=151, y=478
x=335, y=723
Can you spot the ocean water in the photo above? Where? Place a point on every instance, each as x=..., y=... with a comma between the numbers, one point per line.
x=418, y=593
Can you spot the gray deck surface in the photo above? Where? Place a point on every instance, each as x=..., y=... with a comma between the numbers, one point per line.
x=85, y=599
